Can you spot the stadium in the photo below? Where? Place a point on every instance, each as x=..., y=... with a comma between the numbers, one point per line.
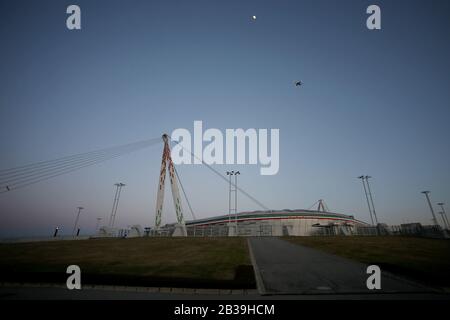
x=286, y=222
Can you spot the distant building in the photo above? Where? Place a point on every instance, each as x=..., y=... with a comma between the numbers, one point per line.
x=411, y=228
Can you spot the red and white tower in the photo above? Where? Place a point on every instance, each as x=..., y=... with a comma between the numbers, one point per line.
x=180, y=229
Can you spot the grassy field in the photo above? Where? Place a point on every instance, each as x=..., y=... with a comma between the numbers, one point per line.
x=425, y=260
x=177, y=262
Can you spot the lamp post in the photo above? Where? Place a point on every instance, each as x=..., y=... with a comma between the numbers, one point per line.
x=367, y=197
x=112, y=218
x=431, y=207
x=114, y=204
x=235, y=200
x=229, y=173
x=443, y=219
x=76, y=220
x=441, y=204
x=371, y=199
x=232, y=188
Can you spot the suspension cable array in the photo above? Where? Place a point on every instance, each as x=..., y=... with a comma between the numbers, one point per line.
x=22, y=176
x=185, y=195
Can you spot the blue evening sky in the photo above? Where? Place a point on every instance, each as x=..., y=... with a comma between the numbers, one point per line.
x=373, y=102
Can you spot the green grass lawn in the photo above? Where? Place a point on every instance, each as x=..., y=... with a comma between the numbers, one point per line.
x=425, y=260
x=179, y=262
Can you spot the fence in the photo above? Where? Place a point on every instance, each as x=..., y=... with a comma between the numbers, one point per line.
x=263, y=230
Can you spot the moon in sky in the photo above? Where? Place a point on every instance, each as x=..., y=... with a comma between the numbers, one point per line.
x=253, y=17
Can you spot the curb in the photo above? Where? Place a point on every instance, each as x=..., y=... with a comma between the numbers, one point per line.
x=258, y=277
x=136, y=289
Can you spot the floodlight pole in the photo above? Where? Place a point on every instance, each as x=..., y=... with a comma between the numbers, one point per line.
x=235, y=199
x=112, y=218
x=76, y=220
x=443, y=219
x=431, y=207
x=229, y=173
x=230, y=205
x=114, y=204
x=117, y=203
x=367, y=197
x=441, y=204
x=371, y=199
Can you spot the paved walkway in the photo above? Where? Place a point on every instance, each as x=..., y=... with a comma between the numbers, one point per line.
x=285, y=268
x=59, y=293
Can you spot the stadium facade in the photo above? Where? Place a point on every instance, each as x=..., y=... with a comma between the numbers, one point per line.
x=272, y=223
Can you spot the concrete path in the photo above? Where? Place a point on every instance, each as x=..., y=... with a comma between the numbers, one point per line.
x=285, y=268
x=59, y=293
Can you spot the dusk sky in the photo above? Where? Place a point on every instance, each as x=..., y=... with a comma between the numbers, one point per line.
x=373, y=102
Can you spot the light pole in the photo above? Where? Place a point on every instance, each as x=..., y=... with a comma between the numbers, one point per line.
x=367, y=197
x=112, y=218
x=371, y=199
x=114, y=204
x=441, y=204
x=443, y=219
x=235, y=198
x=231, y=189
x=229, y=173
x=117, y=203
x=431, y=207
x=76, y=220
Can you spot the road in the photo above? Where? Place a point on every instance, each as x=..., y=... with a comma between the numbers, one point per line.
x=286, y=268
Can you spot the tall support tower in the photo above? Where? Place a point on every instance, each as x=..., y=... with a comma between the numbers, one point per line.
x=322, y=207
x=76, y=220
x=444, y=214
x=371, y=199
x=232, y=203
x=112, y=218
x=180, y=229
x=367, y=197
x=235, y=201
x=431, y=207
